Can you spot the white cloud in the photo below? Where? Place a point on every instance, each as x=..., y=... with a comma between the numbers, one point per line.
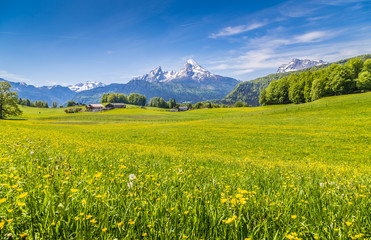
x=293, y=9
x=269, y=52
x=229, y=31
x=340, y=2
x=311, y=37
x=242, y=72
x=12, y=77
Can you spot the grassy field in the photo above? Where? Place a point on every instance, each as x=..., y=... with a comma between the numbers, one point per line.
x=276, y=172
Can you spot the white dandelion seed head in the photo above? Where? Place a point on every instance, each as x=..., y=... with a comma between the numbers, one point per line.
x=130, y=184
x=32, y=153
x=132, y=177
x=322, y=184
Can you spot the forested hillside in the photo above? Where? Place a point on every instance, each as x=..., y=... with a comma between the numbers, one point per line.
x=249, y=91
x=354, y=76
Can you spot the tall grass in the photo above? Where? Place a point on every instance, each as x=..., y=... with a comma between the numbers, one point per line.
x=278, y=172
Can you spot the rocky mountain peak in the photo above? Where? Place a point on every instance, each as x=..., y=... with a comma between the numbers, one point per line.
x=297, y=64
x=85, y=86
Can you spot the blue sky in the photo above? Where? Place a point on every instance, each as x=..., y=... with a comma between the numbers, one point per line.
x=65, y=42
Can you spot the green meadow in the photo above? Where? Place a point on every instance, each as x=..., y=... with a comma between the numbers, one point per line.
x=298, y=171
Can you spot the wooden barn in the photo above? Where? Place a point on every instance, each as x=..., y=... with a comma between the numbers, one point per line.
x=94, y=107
x=115, y=105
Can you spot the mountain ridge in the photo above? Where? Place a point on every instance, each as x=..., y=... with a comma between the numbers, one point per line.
x=192, y=83
x=298, y=64
x=79, y=87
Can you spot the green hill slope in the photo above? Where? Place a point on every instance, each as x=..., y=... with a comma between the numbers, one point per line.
x=249, y=91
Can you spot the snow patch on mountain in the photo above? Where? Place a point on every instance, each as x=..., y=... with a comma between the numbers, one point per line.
x=298, y=64
x=85, y=86
x=190, y=71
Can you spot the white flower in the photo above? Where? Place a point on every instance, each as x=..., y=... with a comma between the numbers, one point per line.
x=131, y=177
x=322, y=184
x=130, y=184
x=32, y=153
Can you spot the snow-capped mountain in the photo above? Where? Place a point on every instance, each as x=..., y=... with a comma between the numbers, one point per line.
x=156, y=75
x=192, y=84
x=190, y=71
x=85, y=86
x=50, y=94
x=298, y=64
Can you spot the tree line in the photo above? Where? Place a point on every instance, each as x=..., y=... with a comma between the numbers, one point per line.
x=37, y=103
x=354, y=76
x=133, y=98
x=161, y=103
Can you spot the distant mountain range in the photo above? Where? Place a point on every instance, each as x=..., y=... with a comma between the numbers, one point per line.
x=299, y=64
x=192, y=83
x=56, y=93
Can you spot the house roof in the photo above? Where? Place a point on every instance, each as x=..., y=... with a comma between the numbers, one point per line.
x=96, y=105
x=117, y=104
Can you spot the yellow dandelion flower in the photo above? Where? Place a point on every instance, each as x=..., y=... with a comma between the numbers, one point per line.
x=348, y=223
x=104, y=229
x=184, y=236
x=10, y=220
x=149, y=225
x=93, y=221
x=239, y=196
x=186, y=212
x=98, y=175
x=83, y=202
x=47, y=176
x=290, y=237
x=120, y=224
x=2, y=223
x=223, y=200
x=52, y=224
x=23, y=235
x=131, y=222
x=144, y=234
x=293, y=216
x=73, y=190
x=23, y=195
x=229, y=220
x=10, y=210
x=2, y=200
x=21, y=204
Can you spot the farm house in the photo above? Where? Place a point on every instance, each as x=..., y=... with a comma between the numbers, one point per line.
x=115, y=105
x=94, y=107
x=183, y=108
